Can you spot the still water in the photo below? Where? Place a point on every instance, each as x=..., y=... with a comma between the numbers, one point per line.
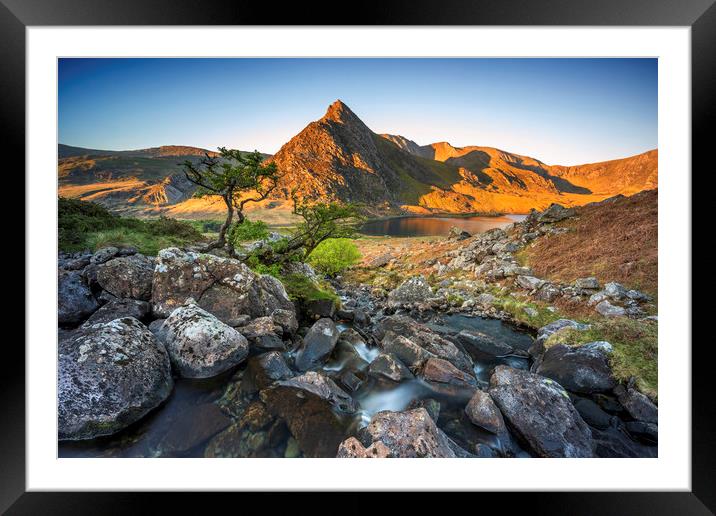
x=435, y=226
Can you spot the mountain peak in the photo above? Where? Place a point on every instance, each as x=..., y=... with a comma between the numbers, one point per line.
x=339, y=112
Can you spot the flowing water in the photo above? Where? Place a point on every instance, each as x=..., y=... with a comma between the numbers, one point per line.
x=185, y=423
x=435, y=226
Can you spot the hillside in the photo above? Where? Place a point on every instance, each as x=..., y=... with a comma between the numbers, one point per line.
x=338, y=157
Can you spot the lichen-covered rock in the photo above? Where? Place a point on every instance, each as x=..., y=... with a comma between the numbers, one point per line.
x=615, y=290
x=110, y=375
x=638, y=405
x=127, y=277
x=412, y=433
x=607, y=309
x=529, y=282
x=317, y=344
x=541, y=413
x=412, y=290
x=389, y=366
x=287, y=320
x=200, y=345
x=590, y=283
x=318, y=412
x=104, y=254
x=119, y=308
x=555, y=213
x=226, y=288
x=583, y=369
x=74, y=298
x=482, y=412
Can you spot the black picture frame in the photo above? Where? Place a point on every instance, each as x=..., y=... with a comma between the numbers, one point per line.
x=700, y=15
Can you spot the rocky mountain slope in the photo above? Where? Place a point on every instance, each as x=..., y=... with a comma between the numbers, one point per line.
x=339, y=158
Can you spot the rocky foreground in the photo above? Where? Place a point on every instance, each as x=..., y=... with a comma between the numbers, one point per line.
x=302, y=379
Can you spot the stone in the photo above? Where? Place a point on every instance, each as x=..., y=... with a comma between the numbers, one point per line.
x=583, y=369
x=287, y=320
x=615, y=290
x=638, y=405
x=590, y=283
x=441, y=371
x=104, y=254
x=607, y=309
x=548, y=292
x=645, y=432
x=529, y=282
x=119, y=308
x=380, y=261
x=75, y=301
x=597, y=298
x=484, y=343
x=267, y=368
x=410, y=353
x=592, y=413
x=127, y=277
x=485, y=299
x=263, y=334
x=351, y=448
x=389, y=366
x=555, y=213
x=318, y=412
x=224, y=287
x=550, y=329
x=110, y=376
x=320, y=308
x=412, y=290
x=317, y=344
x=482, y=412
x=200, y=345
x=458, y=234
x=411, y=433
x=540, y=412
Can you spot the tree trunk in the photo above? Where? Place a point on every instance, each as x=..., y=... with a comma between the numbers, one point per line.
x=221, y=241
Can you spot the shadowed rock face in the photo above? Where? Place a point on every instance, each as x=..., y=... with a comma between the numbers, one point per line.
x=127, y=277
x=75, y=299
x=110, y=375
x=541, y=413
x=224, y=287
x=583, y=369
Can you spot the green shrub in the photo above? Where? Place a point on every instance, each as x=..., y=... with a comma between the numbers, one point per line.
x=302, y=289
x=247, y=231
x=334, y=255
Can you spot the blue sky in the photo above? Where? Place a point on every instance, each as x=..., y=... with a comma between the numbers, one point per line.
x=561, y=111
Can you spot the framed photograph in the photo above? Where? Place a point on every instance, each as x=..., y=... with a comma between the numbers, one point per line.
x=454, y=240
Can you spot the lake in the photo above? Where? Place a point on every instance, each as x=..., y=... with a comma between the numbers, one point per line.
x=435, y=226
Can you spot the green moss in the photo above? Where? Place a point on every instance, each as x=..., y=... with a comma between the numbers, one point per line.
x=302, y=289
x=516, y=308
x=635, y=344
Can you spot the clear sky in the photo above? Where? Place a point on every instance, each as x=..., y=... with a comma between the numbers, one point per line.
x=561, y=111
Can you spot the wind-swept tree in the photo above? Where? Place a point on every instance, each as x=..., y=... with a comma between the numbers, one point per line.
x=232, y=176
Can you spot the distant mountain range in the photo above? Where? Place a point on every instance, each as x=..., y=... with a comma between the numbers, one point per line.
x=339, y=158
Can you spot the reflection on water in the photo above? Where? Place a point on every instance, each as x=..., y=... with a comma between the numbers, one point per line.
x=432, y=226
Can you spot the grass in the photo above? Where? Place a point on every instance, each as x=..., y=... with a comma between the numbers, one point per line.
x=85, y=225
x=635, y=345
x=516, y=308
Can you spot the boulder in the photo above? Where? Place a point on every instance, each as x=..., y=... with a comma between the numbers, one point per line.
x=592, y=413
x=590, y=283
x=437, y=370
x=318, y=412
x=638, y=405
x=423, y=337
x=412, y=290
x=583, y=369
x=104, y=254
x=127, y=277
x=405, y=349
x=484, y=343
x=380, y=261
x=615, y=290
x=200, y=345
x=482, y=412
x=597, y=298
x=119, y=308
x=263, y=333
x=110, y=375
x=555, y=213
x=541, y=413
x=607, y=309
x=389, y=366
x=351, y=448
x=529, y=282
x=317, y=344
x=74, y=298
x=226, y=288
x=412, y=433
x=267, y=368
x=550, y=329
x=320, y=308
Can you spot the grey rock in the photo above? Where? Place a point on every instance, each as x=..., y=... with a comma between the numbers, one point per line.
x=484, y=343
x=389, y=366
x=615, y=290
x=127, y=277
x=590, y=283
x=413, y=290
x=555, y=213
x=200, y=345
x=607, y=309
x=529, y=282
x=287, y=320
x=541, y=413
x=317, y=344
x=104, y=254
x=638, y=405
x=267, y=368
x=458, y=234
x=482, y=412
x=583, y=369
x=117, y=309
x=437, y=370
x=263, y=333
x=74, y=298
x=110, y=376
